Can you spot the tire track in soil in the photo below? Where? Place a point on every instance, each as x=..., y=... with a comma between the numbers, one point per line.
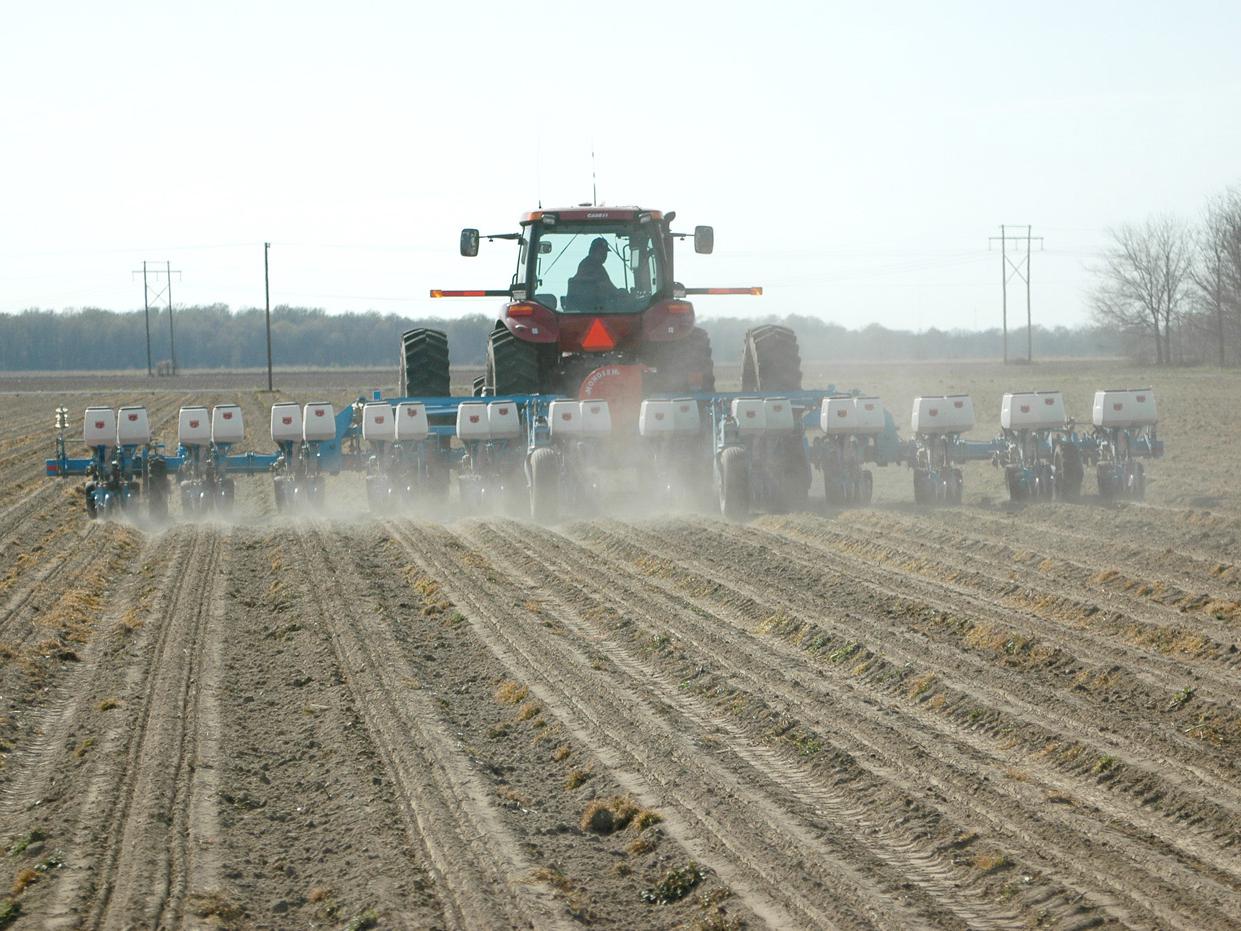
x=147, y=824
x=1098, y=551
x=446, y=808
x=1202, y=534
x=577, y=576
x=1194, y=803
x=1188, y=768
x=1028, y=603
x=780, y=865
x=547, y=779
x=973, y=800
x=1198, y=760
x=943, y=767
x=72, y=553
x=13, y=518
x=1185, y=603
x=45, y=702
x=312, y=833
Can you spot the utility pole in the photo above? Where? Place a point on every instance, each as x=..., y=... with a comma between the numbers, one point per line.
x=1004, y=286
x=267, y=292
x=1029, y=322
x=151, y=296
x=172, y=339
x=1020, y=269
x=146, y=309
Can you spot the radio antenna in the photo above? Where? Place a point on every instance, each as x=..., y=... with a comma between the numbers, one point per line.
x=538, y=169
x=594, y=183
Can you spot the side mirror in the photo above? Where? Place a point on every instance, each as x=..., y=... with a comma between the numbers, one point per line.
x=704, y=240
x=469, y=243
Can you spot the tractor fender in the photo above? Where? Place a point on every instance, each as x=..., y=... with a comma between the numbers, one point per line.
x=666, y=321
x=531, y=322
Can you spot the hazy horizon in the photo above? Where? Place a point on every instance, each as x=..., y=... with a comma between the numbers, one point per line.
x=853, y=162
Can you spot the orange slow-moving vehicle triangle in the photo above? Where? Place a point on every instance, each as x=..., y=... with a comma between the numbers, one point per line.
x=598, y=337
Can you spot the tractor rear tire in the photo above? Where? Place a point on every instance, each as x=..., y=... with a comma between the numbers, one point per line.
x=680, y=365
x=771, y=360
x=544, y=485
x=512, y=365
x=424, y=364
x=734, y=484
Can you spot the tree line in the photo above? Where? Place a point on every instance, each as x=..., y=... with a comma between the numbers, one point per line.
x=1172, y=287
x=215, y=337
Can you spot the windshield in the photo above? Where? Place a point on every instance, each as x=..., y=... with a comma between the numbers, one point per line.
x=594, y=268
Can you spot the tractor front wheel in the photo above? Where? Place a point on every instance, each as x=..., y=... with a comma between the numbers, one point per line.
x=424, y=364
x=512, y=365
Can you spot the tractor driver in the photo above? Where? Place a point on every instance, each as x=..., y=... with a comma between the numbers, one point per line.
x=591, y=289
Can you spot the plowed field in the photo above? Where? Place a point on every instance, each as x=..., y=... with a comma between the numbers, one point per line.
x=896, y=717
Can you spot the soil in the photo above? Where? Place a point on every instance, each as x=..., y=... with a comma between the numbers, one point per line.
x=894, y=717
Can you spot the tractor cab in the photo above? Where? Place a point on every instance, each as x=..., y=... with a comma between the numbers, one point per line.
x=598, y=264
x=593, y=309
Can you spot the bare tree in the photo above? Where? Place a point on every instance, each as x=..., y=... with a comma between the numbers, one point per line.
x=1144, y=282
x=1217, y=272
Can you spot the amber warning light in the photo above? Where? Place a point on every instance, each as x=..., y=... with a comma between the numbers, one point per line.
x=436, y=292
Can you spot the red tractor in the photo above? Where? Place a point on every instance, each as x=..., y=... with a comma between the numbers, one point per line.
x=595, y=311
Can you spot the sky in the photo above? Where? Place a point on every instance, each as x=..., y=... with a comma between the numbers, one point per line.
x=854, y=159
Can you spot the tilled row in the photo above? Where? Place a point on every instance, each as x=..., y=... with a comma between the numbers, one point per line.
x=1089, y=543
x=312, y=829
x=1202, y=534
x=470, y=754
x=811, y=851
x=1161, y=587
x=878, y=828
x=1044, y=692
x=472, y=858
x=1167, y=649
x=778, y=868
x=121, y=789
x=949, y=709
